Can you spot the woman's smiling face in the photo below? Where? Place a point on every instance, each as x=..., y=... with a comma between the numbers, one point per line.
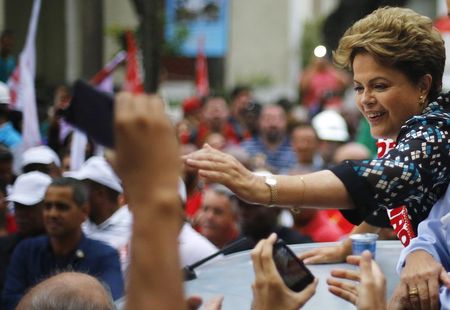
x=385, y=96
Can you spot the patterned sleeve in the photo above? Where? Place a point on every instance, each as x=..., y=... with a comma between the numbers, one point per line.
x=415, y=173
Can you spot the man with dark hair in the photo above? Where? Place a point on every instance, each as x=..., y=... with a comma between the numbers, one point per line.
x=27, y=197
x=64, y=248
x=70, y=291
x=215, y=119
x=305, y=144
x=272, y=143
x=108, y=221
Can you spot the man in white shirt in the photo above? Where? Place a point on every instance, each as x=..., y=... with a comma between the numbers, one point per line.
x=108, y=220
x=192, y=246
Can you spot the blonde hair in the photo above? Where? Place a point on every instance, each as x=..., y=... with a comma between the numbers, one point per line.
x=400, y=38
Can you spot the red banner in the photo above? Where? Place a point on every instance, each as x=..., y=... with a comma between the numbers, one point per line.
x=133, y=79
x=201, y=71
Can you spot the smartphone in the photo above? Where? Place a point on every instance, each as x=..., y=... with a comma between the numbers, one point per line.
x=292, y=270
x=92, y=112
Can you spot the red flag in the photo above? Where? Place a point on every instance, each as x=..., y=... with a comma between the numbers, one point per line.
x=133, y=80
x=201, y=70
x=108, y=69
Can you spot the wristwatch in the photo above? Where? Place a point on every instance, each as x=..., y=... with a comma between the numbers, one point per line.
x=271, y=182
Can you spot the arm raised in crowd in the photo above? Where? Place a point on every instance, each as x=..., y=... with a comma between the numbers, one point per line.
x=147, y=162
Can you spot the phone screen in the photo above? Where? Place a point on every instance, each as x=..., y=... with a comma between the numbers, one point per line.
x=92, y=111
x=293, y=271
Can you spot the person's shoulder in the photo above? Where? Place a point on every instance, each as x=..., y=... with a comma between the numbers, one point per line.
x=8, y=244
x=8, y=239
x=31, y=245
x=189, y=235
x=435, y=118
x=34, y=241
x=97, y=247
x=433, y=112
x=193, y=246
x=123, y=215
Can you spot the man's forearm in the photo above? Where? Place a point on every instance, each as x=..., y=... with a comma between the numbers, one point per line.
x=155, y=279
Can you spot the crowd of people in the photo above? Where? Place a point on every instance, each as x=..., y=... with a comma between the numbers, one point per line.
x=398, y=90
x=133, y=217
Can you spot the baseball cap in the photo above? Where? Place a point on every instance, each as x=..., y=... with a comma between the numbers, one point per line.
x=40, y=155
x=97, y=169
x=330, y=126
x=30, y=188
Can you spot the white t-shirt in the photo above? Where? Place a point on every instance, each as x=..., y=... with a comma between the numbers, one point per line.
x=193, y=246
x=115, y=231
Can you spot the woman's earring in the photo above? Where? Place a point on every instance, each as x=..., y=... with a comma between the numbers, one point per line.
x=421, y=100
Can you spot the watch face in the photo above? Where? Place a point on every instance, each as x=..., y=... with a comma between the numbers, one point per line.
x=271, y=181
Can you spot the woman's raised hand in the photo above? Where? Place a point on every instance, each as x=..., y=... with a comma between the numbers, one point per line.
x=218, y=167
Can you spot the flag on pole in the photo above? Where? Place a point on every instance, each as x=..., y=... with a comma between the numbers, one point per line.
x=21, y=84
x=109, y=68
x=133, y=78
x=77, y=149
x=201, y=70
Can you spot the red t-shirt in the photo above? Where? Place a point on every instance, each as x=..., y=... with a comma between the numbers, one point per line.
x=321, y=229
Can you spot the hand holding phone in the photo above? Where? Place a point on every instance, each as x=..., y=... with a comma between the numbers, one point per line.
x=292, y=270
x=281, y=279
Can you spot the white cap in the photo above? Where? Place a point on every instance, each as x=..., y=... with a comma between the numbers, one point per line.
x=4, y=94
x=40, y=155
x=30, y=188
x=182, y=190
x=330, y=126
x=97, y=169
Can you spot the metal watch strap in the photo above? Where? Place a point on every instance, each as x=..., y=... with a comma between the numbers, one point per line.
x=272, y=184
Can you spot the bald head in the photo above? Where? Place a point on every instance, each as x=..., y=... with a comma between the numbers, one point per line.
x=68, y=290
